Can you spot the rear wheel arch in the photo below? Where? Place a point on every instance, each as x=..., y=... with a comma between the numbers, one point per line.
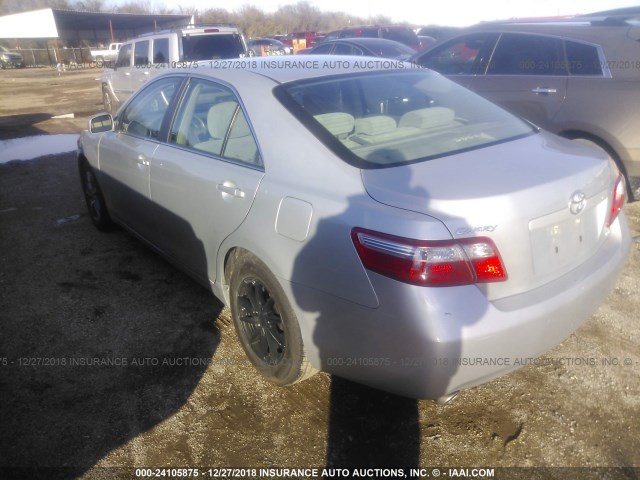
x=247, y=277
x=607, y=148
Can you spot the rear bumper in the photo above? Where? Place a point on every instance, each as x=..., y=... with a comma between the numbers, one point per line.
x=429, y=342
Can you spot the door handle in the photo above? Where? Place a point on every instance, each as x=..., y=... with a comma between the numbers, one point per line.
x=142, y=160
x=230, y=190
x=544, y=90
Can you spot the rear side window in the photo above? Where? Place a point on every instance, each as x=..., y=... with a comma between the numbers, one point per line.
x=583, y=59
x=368, y=33
x=211, y=120
x=322, y=49
x=161, y=50
x=518, y=54
x=400, y=35
x=141, y=54
x=344, y=49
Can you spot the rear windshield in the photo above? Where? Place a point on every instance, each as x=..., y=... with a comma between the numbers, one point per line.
x=384, y=119
x=211, y=47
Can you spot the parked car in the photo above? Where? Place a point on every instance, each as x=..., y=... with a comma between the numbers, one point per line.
x=260, y=47
x=426, y=41
x=399, y=33
x=579, y=78
x=438, y=32
x=109, y=54
x=148, y=55
x=10, y=59
x=372, y=47
x=411, y=235
x=300, y=40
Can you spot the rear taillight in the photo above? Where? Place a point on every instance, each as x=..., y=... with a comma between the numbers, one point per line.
x=441, y=263
x=619, y=192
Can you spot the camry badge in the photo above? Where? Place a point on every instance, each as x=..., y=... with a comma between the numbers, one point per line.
x=577, y=202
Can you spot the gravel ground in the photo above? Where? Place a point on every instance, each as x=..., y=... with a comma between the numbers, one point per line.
x=111, y=359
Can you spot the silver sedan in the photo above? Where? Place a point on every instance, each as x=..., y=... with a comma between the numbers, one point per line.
x=362, y=217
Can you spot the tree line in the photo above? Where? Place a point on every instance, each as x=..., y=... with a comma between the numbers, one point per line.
x=254, y=22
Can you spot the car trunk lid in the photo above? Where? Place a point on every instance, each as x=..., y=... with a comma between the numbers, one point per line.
x=542, y=200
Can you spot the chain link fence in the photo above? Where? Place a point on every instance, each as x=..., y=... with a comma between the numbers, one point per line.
x=69, y=57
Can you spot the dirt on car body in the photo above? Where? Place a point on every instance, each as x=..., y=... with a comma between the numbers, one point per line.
x=110, y=358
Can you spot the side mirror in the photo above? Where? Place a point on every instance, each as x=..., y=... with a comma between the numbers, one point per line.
x=101, y=123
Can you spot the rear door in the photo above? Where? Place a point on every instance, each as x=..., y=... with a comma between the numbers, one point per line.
x=204, y=180
x=527, y=74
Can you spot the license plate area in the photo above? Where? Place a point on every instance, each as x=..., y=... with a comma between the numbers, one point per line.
x=562, y=240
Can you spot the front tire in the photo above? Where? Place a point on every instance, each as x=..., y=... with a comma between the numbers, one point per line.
x=96, y=205
x=266, y=324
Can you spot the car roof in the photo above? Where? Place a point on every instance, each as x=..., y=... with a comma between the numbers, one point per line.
x=579, y=30
x=358, y=27
x=366, y=41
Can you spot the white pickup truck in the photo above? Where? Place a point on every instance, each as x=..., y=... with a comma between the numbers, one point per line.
x=106, y=55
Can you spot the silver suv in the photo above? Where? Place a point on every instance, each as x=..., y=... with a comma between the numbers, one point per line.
x=147, y=55
x=579, y=78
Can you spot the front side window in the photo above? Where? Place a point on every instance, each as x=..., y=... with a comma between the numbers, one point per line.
x=124, y=56
x=462, y=56
x=144, y=114
x=518, y=54
x=394, y=118
x=211, y=120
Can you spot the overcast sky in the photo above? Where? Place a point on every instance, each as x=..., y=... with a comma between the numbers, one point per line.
x=424, y=12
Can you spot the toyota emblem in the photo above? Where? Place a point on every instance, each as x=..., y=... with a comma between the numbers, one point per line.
x=577, y=202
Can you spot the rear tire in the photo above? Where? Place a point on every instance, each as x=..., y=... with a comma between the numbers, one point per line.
x=96, y=205
x=107, y=100
x=266, y=324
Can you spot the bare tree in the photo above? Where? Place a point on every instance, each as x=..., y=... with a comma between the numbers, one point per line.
x=254, y=22
x=135, y=6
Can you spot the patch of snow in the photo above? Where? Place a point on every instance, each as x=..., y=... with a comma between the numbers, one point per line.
x=28, y=148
